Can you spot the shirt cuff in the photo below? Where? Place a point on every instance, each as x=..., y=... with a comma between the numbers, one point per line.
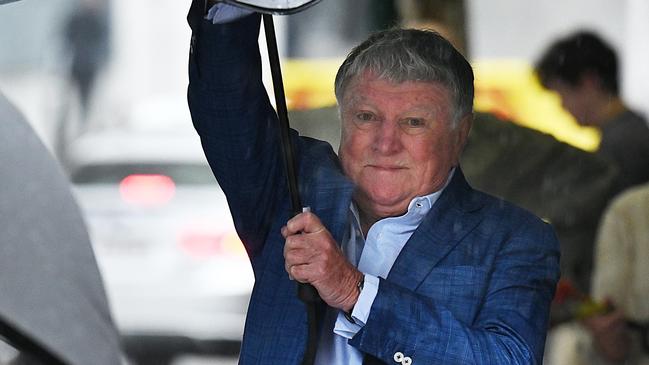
x=221, y=13
x=361, y=311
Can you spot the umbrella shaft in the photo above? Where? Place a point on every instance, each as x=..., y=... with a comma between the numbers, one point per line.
x=282, y=114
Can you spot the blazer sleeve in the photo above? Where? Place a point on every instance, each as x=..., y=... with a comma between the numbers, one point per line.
x=236, y=122
x=508, y=326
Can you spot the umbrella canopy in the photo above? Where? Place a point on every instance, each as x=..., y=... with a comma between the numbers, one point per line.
x=278, y=7
x=52, y=293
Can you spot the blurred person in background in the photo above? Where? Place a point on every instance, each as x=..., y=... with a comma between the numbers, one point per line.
x=415, y=266
x=583, y=69
x=616, y=328
x=53, y=307
x=621, y=279
x=86, y=35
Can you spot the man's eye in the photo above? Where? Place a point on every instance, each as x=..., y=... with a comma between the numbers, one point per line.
x=365, y=117
x=414, y=123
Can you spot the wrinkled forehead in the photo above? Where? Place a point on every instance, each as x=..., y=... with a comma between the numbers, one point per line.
x=359, y=87
x=392, y=77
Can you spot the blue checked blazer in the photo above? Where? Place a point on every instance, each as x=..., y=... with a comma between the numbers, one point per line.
x=472, y=285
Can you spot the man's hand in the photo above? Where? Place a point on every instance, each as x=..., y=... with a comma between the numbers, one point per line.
x=610, y=335
x=312, y=256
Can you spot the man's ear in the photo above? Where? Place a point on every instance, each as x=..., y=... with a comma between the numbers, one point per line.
x=462, y=135
x=463, y=129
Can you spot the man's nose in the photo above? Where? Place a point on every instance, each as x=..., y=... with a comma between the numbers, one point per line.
x=388, y=137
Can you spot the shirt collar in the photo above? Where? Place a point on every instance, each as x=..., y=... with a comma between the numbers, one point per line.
x=427, y=201
x=421, y=204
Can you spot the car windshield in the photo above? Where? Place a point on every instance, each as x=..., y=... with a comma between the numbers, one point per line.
x=180, y=173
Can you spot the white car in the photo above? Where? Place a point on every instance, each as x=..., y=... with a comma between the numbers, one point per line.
x=177, y=276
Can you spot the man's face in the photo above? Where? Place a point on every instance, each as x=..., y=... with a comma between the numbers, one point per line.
x=576, y=100
x=397, y=142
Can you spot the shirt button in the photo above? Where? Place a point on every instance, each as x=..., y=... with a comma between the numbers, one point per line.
x=398, y=356
x=406, y=361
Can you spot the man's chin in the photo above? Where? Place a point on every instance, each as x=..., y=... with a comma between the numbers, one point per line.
x=384, y=208
x=382, y=202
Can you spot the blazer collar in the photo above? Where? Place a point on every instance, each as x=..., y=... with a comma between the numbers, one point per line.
x=452, y=217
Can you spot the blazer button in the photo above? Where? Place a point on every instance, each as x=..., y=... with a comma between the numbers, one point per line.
x=398, y=356
x=406, y=361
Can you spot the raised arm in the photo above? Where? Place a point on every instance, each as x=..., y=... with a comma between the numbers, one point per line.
x=236, y=122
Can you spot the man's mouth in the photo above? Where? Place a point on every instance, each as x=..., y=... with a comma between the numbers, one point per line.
x=386, y=167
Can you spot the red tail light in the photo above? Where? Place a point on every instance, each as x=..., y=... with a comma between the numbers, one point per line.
x=203, y=244
x=147, y=190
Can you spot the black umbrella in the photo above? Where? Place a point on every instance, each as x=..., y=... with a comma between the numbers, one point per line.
x=307, y=293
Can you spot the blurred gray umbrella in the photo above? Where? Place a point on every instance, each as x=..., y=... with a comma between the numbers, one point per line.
x=52, y=301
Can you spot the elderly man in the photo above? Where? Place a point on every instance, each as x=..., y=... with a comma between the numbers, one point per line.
x=414, y=266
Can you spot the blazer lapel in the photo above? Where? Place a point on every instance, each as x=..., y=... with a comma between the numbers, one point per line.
x=450, y=219
x=330, y=200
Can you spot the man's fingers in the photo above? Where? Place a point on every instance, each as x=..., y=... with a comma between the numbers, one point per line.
x=300, y=273
x=296, y=245
x=299, y=250
x=288, y=267
x=316, y=231
x=305, y=222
